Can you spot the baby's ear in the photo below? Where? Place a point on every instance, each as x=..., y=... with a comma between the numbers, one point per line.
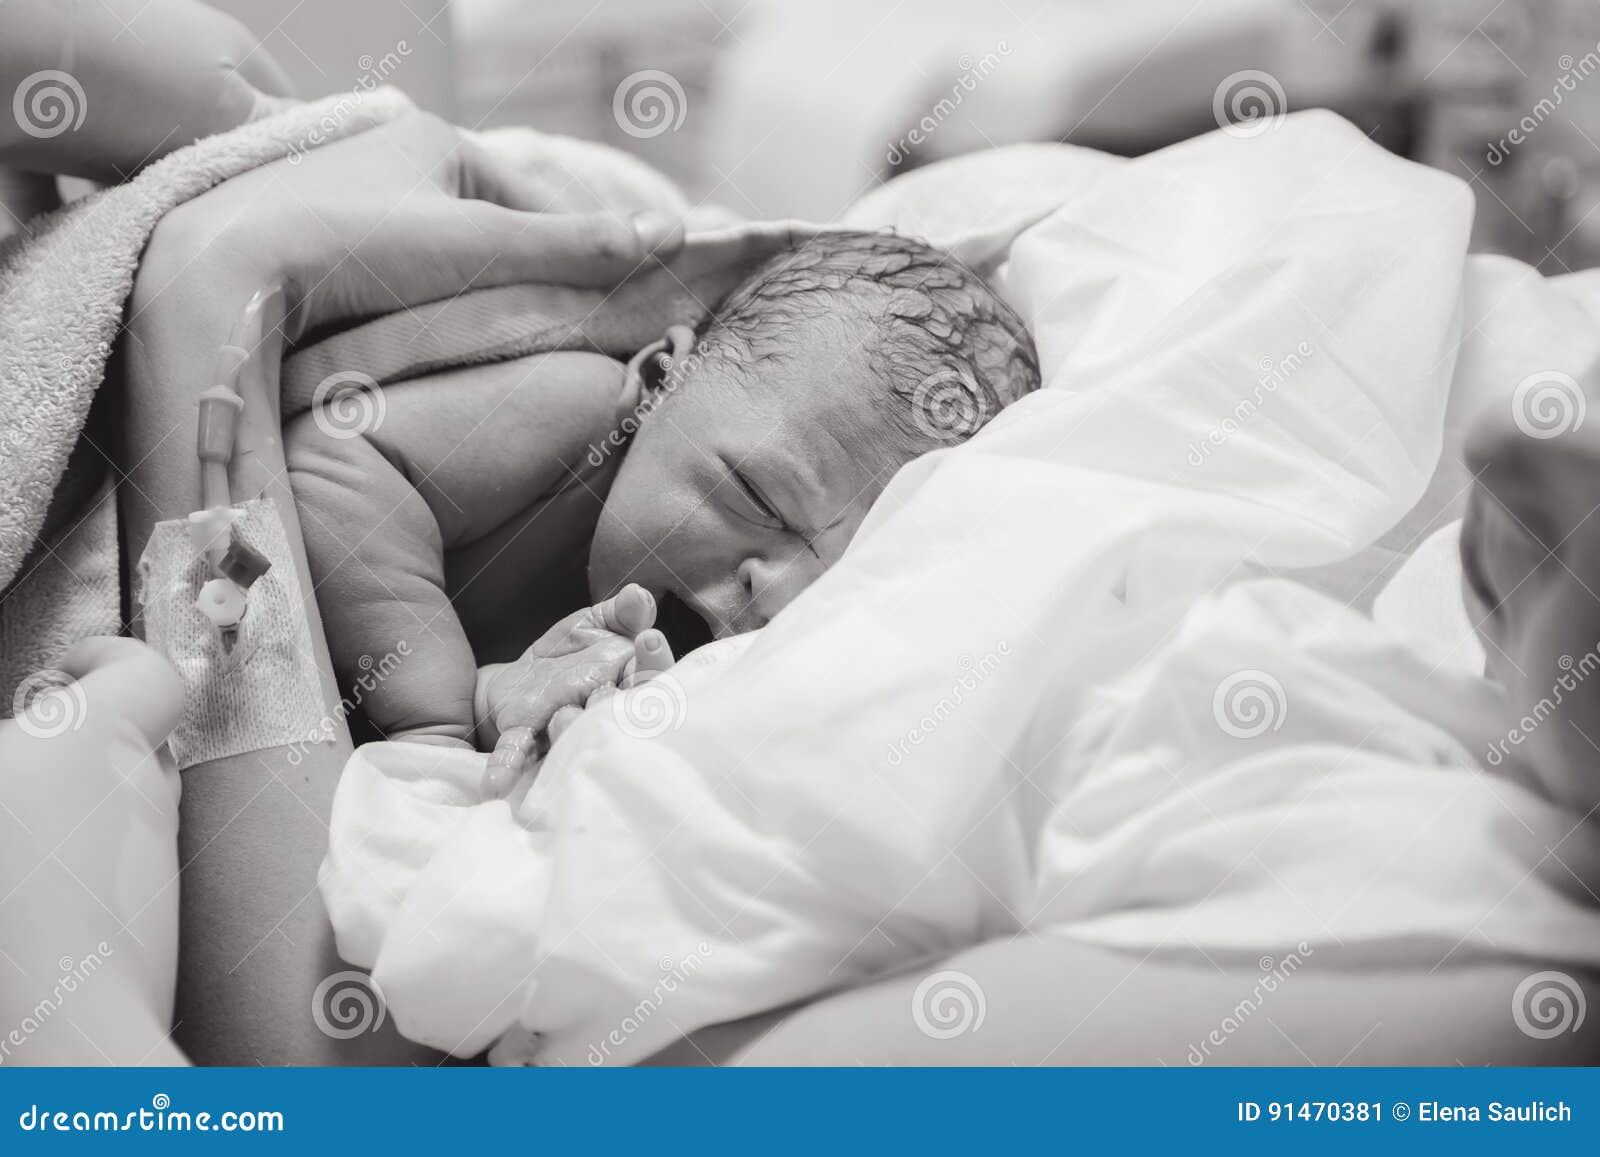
x=648, y=370
x=662, y=364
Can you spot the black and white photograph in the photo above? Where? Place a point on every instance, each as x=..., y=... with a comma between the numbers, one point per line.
x=778, y=534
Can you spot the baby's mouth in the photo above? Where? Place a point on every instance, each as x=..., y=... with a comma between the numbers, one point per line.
x=681, y=624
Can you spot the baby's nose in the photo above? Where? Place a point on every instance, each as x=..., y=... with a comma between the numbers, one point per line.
x=769, y=584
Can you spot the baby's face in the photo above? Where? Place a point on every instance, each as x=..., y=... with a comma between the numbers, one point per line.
x=735, y=495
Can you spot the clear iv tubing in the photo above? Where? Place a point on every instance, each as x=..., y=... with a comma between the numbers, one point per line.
x=218, y=427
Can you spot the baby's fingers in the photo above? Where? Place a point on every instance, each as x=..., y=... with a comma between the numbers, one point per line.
x=508, y=761
x=626, y=613
x=652, y=654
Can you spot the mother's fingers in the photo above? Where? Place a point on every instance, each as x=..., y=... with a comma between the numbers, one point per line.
x=593, y=249
x=743, y=247
x=434, y=246
x=484, y=177
x=707, y=266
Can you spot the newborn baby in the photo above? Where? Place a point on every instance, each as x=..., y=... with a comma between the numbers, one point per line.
x=713, y=478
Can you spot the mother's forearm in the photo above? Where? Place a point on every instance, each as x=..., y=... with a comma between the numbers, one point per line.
x=255, y=939
x=1054, y=1000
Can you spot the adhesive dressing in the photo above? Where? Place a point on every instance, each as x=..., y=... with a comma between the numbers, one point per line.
x=263, y=691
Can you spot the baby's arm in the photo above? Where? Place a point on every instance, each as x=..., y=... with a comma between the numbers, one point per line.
x=448, y=459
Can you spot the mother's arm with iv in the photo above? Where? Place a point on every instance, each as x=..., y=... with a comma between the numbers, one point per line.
x=399, y=215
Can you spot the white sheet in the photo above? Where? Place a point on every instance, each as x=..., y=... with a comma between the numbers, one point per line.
x=1023, y=698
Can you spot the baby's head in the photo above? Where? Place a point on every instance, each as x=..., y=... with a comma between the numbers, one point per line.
x=821, y=375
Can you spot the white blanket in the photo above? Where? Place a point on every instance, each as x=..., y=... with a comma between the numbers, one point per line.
x=1046, y=688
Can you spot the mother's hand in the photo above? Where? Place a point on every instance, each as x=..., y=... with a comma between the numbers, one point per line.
x=404, y=213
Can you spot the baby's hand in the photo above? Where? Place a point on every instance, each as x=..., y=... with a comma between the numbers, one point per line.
x=652, y=656
x=588, y=650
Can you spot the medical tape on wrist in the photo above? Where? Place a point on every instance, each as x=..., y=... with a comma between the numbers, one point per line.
x=264, y=690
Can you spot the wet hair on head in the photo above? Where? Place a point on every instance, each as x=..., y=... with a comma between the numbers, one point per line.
x=948, y=352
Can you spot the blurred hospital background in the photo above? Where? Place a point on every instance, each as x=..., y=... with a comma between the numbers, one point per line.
x=795, y=107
